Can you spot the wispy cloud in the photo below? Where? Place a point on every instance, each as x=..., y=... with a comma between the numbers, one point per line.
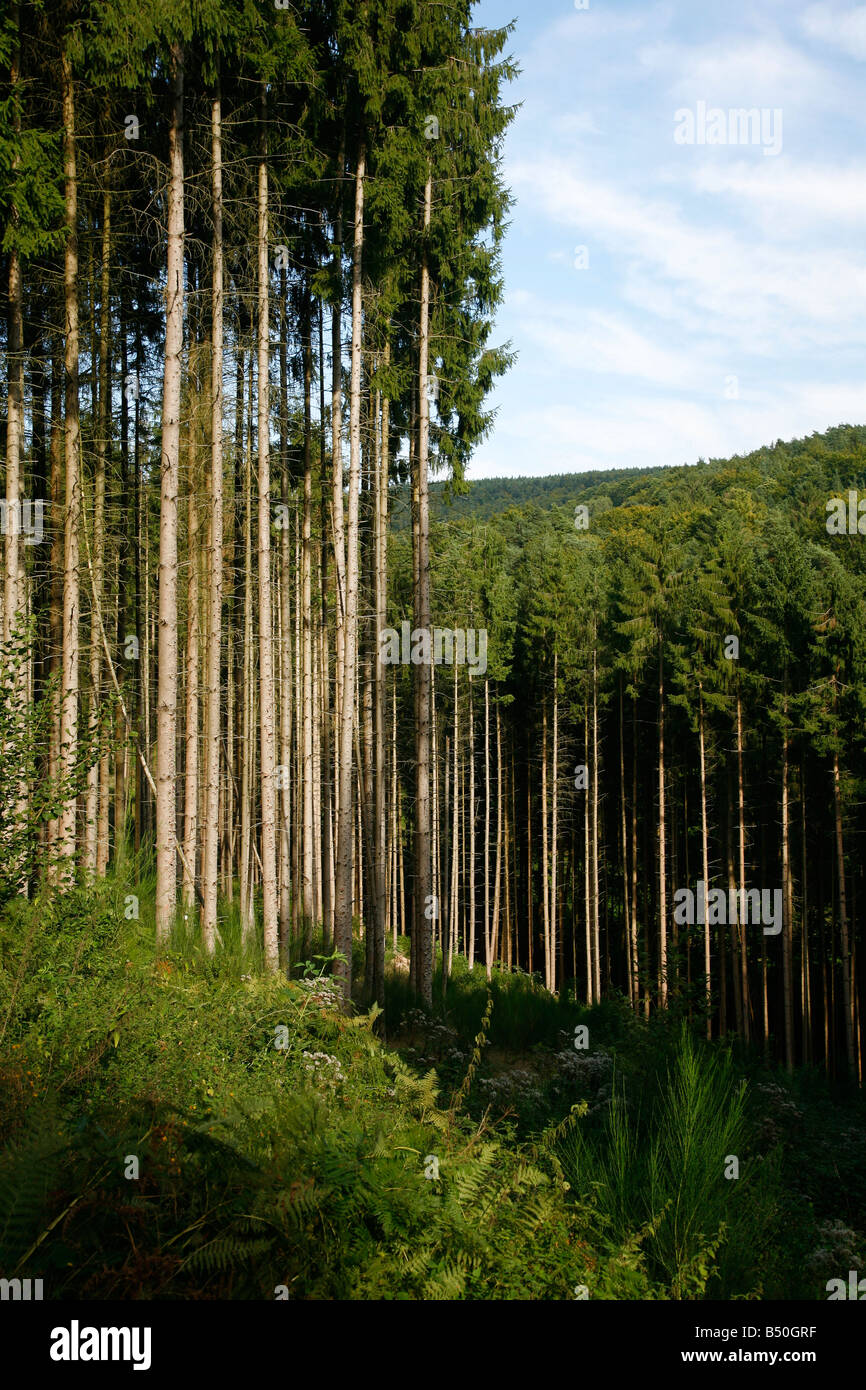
x=843, y=27
x=725, y=294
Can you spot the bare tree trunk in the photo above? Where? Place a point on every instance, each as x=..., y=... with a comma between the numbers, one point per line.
x=285, y=646
x=632, y=982
x=530, y=922
x=380, y=542
x=306, y=626
x=297, y=745
x=215, y=571
x=635, y=952
x=12, y=596
x=190, y=815
x=436, y=923
x=327, y=757
x=72, y=461
x=843, y=916
x=663, y=908
x=455, y=833
x=497, y=873
x=595, y=758
x=246, y=694
x=487, y=933
x=732, y=883
x=471, y=830
x=166, y=764
x=337, y=518
x=55, y=599
x=554, y=837
x=99, y=802
x=741, y=812
x=545, y=861
x=705, y=859
x=587, y=876
x=805, y=984
x=396, y=850
x=511, y=953
x=787, y=899
x=423, y=866
x=343, y=878
x=91, y=812
x=266, y=654
x=316, y=657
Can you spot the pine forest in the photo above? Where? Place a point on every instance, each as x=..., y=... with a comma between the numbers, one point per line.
x=412, y=885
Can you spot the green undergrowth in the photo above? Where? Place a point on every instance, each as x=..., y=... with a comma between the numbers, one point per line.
x=193, y=1129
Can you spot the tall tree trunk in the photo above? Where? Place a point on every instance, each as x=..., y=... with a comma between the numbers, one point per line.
x=530, y=921
x=787, y=897
x=396, y=847
x=705, y=858
x=72, y=463
x=591, y=943
x=806, y=984
x=327, y=755
x=497, y=873
x=12, y=597
x=337, y=516
x=663, y=908
x=246, y=693
x=306, y=624
x=436, y=886
x=166, y=764
x=595, y=758
x=215, y=569
x=103, y=415
x=423, y=865
x=554, y=824
x=634, y=856
x=545, y=858
x=343, y=878
x=190, y=811
x=380, y=542
x=741, y=815
x=267, y=778
x=847, y=999
x=455, y=834
x=632, y=983
x=14, y=589
x=285, y=631
x=733, y=926
x=100, y=801
x=471, y=951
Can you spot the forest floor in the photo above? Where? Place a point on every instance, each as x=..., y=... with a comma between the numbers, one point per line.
x=195, y=1129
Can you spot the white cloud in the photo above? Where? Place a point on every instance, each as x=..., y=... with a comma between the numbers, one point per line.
x=755, y=71
x=753, y=291
x=845, y=28
x=816, y=192
x=606, y=344
x=571, y=123
x=654, y=433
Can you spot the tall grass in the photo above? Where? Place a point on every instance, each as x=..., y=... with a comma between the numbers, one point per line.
x=524, y=1015
x=661, y=1162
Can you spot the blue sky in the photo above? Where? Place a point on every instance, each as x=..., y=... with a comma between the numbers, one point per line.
x=724, y=300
